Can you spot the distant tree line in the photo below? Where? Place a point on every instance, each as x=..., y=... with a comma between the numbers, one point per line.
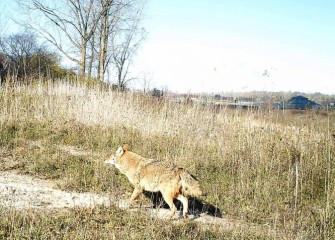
x=99, y=36
x=23, y=58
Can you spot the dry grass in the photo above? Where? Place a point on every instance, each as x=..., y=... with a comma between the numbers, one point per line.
x=271, y=168
x=102, y=223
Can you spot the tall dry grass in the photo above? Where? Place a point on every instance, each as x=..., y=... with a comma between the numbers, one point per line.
x=273, y=168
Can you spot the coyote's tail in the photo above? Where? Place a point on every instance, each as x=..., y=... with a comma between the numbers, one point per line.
x=190, y=185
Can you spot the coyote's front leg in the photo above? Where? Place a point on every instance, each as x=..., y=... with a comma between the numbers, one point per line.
x=137, y=191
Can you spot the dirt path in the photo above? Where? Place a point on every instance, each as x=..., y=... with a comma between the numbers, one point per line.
x=27, y=192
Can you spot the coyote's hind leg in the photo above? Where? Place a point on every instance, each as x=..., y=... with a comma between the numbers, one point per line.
x=169, y=200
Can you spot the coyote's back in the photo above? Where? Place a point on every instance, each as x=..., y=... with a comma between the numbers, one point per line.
x=150, y=175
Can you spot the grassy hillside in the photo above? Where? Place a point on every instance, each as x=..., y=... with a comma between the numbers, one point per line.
x=267, y=168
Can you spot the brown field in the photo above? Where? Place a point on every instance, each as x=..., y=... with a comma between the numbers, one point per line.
x=267, y=169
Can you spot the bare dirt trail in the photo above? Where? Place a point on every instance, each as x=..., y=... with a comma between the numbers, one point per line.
x=25, y=192
x=28, y=192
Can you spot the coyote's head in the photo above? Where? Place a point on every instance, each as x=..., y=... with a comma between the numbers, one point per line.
x=119, y=152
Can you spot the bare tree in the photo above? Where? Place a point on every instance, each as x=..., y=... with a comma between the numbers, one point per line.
x=109, y=22
x=3, y=66
x=69, y=23
x=102, y=7
x=145, y=81
x=23, y=58
x=118, y=20
x=20, y=49
x=125, y=41
x=90, y=32
x=92, y=55
x=104, y=26
x=3, y=59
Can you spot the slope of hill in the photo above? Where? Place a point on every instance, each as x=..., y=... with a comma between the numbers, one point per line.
x=266, y=169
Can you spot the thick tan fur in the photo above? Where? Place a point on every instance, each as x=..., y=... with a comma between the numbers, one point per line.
x=150, y=175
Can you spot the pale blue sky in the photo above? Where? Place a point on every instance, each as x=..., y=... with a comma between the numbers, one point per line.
x=226, y=45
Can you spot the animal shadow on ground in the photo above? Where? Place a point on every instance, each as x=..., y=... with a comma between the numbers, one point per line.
x=195, y=206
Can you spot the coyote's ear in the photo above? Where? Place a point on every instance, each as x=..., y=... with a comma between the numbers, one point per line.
x=125, y=147
x=119, y=151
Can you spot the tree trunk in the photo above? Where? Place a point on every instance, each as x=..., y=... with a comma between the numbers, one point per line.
x=90, y=64
x=103, y=46
x=82, y=64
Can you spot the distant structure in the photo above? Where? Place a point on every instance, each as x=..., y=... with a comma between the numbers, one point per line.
x=301, y=103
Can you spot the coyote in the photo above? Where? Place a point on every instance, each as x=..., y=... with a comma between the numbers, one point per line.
x=153, y=176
